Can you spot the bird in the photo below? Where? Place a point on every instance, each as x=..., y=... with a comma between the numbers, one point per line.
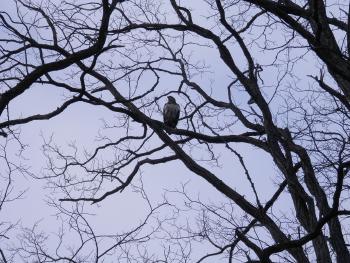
x=171, y=112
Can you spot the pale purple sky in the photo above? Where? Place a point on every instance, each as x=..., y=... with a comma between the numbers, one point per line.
x=80, y=123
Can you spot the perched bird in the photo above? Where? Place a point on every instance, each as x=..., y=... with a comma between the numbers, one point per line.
x=171, y=112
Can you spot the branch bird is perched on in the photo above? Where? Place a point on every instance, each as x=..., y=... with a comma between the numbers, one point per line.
x=171, y=112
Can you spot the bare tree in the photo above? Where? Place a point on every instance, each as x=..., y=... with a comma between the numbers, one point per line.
x=273, y=76
x=11, y=167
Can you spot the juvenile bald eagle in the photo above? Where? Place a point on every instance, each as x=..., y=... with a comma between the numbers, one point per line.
x=171, y=112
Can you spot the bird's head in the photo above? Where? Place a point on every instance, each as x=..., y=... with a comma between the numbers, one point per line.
x=171, y=99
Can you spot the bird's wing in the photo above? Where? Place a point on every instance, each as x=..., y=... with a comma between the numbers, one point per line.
x=177, y=114
x=165, y=111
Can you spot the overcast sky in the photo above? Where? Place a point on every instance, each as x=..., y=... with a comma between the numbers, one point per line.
x=81, y=123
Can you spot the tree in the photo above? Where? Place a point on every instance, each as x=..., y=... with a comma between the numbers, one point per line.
x=273, y=76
